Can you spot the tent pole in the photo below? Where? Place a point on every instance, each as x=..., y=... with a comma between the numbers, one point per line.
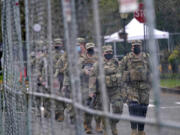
x=124, y=32
x=144, y=38
x=169, y=49
x=114, y=46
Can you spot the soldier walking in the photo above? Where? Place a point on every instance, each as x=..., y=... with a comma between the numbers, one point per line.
x=113, y=81
x=67, y=91
x=136, y=74
x=86, y=67
x=58, y=52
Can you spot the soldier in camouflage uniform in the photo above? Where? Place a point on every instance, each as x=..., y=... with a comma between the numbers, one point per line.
x=136, y=72
x=58, y=52
x=42, y=76
x=36, y=57
x=86, y=67
x=66, y=82
x=66, y=90
x=113, y=81
x=81, y=43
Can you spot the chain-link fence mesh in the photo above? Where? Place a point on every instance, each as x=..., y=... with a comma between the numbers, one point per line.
x=46, y=85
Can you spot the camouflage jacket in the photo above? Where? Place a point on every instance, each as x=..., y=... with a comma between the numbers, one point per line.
x=112, y=75
x=62, y=67
x=136, y=77
x=135, y=68
x=56, y=60
x=42, y=69
x=86, y=64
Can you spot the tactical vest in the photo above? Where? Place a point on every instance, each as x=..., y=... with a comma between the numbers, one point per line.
x=138, y=68
x=87, y=64
x=112, y=77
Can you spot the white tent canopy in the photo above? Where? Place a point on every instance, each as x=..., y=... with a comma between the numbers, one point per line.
x=135, y=31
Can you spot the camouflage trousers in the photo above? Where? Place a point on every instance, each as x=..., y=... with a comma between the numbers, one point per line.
x=68, y=94
x=46, y=103
x=87, y=116
x=59, y=109
x=38, y=101
x=138, y=92
x=43, y=102
x=59, y=105
x=116, y=100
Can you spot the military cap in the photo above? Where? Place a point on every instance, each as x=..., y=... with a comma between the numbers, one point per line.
x=80, y=40
x=90, y=45
x=58, y=41
x=32, y=54
x=40, y=42
x=136, y=42
x=107, y=48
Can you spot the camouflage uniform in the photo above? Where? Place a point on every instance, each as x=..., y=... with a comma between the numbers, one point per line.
x=43, y=79
x=113, y=81
x=36, y=57
x=67, y=85
x=57, y=54
x=86, y=67
x=59, y=76
x=81, y=43
x=136, y=72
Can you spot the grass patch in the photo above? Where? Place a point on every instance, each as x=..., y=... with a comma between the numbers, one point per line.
x=1, y=79
x=170, y=83
x=170, y=76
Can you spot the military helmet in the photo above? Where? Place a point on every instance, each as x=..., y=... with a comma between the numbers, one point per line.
x=80, y=40
x=32, y=54
x=39, y=45
x=57, y=41
x=136, y=42
x=40, y=42
x=90, y=45
x=107, y=48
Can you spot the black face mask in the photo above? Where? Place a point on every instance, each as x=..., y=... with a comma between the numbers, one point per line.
x=108, y=56
x=90, y=51
x=58, y=47
x=137, y=49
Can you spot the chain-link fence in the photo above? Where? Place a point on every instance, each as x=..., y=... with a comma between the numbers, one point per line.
x=52, y=87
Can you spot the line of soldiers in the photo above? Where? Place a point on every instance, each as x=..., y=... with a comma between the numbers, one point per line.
x=127, y=81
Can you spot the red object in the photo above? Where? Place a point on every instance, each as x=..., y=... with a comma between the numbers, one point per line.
x=139, y=14
x=17, y=4
x=21, y=75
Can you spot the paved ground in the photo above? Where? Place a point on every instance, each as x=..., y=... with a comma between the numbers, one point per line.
x=170, y=110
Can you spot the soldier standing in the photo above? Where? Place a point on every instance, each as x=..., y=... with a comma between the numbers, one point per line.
x=81, y=43
x=36, y=59
x=87, y=64
x=62, y=64
x=58, y=51
x=43, y=79
x=136, y=73
x=66, y=89
x=113, y=81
